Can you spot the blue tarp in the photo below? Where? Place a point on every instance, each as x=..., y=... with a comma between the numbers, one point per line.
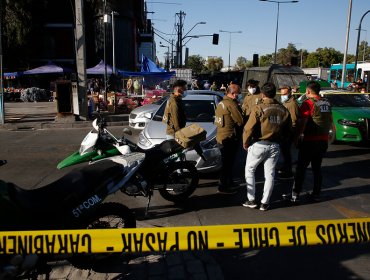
x=12, y=75
x=151, y=73
x=49, y=68
x=99, y=69
x=148, y=65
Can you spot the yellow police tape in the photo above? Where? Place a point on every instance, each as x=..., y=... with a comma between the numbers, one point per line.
x=245, y=236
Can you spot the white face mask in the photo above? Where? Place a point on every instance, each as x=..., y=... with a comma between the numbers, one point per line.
x=284, y=98
x=252, y=90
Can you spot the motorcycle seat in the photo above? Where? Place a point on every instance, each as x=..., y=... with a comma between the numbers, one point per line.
x=163, y=150
x=70, y=190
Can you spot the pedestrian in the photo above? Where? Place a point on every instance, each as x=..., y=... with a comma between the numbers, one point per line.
x=312, y=140
x=174, y=114
x=206, y=85
x=214, y=86
x=268, y=124
x=289, y=102
x=252, y=98
x=229, y=123
x=223, y=88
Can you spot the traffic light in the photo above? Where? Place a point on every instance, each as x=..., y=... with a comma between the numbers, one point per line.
x=215, y=39
x=255, y=60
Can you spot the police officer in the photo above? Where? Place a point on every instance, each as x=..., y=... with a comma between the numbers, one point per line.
x=229, y=122
x=268, y=123
x=312, y=140
x=252, y=98
x=174, y=114
x=288, y=100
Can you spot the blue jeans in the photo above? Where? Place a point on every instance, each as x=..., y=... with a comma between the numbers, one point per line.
x=268, y=153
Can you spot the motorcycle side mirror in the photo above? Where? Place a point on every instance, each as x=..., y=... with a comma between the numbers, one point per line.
x=127, y=131
x=148, y=115
x=95, y=124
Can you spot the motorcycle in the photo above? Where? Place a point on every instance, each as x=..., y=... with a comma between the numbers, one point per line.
x=165, y=167
x=75, y=201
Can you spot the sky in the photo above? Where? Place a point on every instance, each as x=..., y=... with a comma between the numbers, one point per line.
x=309, y=24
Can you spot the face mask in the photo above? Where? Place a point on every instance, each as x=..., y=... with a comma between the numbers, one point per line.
x=284, y=98
x=252, y=90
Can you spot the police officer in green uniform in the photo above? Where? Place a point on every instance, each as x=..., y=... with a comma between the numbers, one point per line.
x=174, y=114
x=268, y=124
x=229, y=122
x=252, y=98
x=289, y=102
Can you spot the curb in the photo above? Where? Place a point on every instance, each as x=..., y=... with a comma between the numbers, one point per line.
x=55, y=125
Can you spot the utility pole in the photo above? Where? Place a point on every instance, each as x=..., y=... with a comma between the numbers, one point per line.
x=171, y=62
x=346, y=46
x=113, y=43
x=105, y=21
x=81, y=59
x=180, y=27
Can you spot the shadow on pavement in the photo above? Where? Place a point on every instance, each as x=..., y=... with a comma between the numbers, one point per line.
x=312, y=262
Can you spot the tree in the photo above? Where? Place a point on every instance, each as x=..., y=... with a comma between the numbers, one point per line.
x=196, y=63
x=17, y=22
x=363, y=51
x=266, y=60
x=285, y=55
x=241, y=63
x=215, y=64
x=324, y=57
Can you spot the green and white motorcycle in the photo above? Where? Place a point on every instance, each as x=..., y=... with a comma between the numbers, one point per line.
x=165, y=167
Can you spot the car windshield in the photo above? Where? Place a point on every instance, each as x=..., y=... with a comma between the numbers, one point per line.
x=350, y=100
x=161, y=100
x=195, y=110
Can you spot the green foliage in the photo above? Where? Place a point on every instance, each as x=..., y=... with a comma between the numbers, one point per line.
x=266, y=60
x=284, y=55
x=363, y=51
x=215, y=64
x=241, y=63
x=196, y=63
x=17, y=22
x=324, y=57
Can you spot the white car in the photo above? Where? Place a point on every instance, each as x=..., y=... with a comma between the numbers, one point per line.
x=199, y=108
x=137, y=117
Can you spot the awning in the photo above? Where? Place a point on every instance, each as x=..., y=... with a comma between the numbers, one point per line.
x=11, y=75
x=99, y=69
x=49, y=68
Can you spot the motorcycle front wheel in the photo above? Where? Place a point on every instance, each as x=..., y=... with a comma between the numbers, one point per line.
x=106, y=215
x=181, y=181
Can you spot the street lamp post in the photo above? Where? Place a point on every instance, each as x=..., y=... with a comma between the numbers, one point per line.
x=105, y=21
x=230, y=32
x=113, y=42
x=181, y=38
x=363, y=54
x=167, y=56
x=277, y=20
x=358, y=41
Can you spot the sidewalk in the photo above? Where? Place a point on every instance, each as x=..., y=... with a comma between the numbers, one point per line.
x=171, y=265
x=43, y=115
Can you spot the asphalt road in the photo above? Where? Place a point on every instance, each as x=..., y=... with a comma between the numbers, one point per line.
x=33, y=155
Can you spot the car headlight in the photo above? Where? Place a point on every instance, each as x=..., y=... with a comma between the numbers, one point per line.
x=210, y=144
x=349, y=123
x=143, y=140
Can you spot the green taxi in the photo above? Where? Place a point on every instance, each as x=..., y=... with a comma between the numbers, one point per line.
x=351, y=115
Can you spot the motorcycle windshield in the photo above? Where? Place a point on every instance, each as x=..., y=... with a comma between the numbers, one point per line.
x=88, y=144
